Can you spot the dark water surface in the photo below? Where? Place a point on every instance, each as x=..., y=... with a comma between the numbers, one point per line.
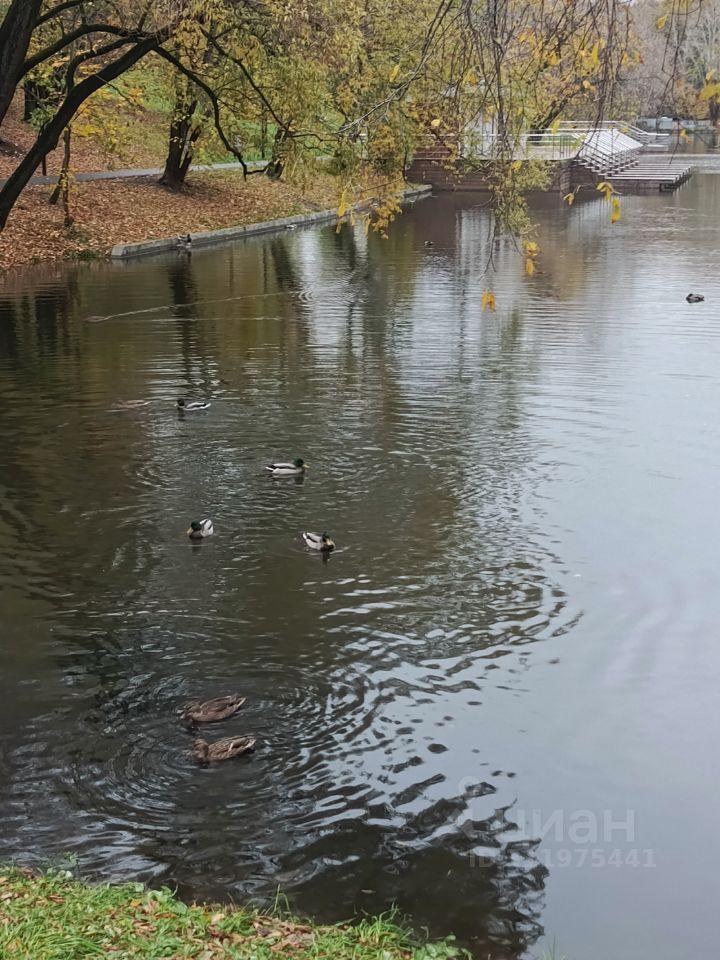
x=496, y=704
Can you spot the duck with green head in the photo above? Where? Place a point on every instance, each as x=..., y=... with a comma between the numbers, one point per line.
x=318, y=541
x=286, y=469
x=199, y=529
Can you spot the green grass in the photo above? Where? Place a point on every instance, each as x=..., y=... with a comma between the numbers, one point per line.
x=53, y=916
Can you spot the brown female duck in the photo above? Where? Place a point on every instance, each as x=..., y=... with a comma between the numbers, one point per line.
x=212, y=711
x=226, y=749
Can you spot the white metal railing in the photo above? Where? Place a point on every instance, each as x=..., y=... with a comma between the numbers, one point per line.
x=605, y=149
x=623, y=126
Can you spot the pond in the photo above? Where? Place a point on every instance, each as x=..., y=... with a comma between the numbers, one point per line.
x=495, y=705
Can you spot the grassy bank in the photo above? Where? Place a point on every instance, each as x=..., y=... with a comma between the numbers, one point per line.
x=54, y=917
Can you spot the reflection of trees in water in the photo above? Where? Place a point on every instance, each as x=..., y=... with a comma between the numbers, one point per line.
x=430, y=870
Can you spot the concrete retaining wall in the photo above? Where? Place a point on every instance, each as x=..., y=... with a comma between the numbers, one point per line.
x=125, y=251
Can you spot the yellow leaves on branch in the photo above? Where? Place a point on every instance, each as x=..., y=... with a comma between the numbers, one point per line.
x=531, y=252
x=661, y=21
x=435, y=123
x=608, y=192
x=709, y=90
x=570, y=198
x=488, y=300
x=394, y=73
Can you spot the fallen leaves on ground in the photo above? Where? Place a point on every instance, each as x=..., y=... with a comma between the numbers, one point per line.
x=129, y=211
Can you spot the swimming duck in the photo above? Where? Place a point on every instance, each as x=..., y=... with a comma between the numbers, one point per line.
x=184, y=243
x=694, y=298
x=318, y=541
x=212, y=711
x=226, y=749
x=429, y=243
x=199, y=529
x=192, y=404
x=295, y=469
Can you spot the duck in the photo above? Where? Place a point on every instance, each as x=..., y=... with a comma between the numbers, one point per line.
x=184, y=243
x=225, y=749
x=295, y=469
x=212, y=711
x=694, y=298
x=429, y=243
x=318, y=541
x=199, y=529
x=192, y=404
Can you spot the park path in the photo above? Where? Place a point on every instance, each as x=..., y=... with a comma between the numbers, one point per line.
x=131, y=173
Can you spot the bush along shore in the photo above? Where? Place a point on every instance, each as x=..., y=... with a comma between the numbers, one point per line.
x=52, y=916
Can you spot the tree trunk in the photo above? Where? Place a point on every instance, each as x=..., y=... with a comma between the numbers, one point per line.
x=263, y=131
x=47, y=138
x=15, y=33
x=714, y=110
x=275, y=168
x=184, y=133
x=63, y=185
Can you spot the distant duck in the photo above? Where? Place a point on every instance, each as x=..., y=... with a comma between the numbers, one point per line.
x=184, y=243
x=191, y=405
x=199, y=529
x=295, y=469
x=226, y=749
x=212, y=711
x=429, y=243
x=318, y=541
x=694, y=298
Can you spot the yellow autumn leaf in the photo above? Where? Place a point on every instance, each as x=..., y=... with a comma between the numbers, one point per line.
x=436, y=122
x=709, y=90
x=394, y=72
x=488, y=300
x=553, y=58
x=615, y=216
x=555, y=125
x=661, y=21
x=529, y=266
x=606, y=188
x=709, y=75
x=595, y=54
x=570, y=197
x=531, y=248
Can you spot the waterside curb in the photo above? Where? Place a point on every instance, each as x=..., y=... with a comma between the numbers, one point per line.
x=125, y=251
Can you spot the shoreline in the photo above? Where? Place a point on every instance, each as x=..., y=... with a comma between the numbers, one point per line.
x=117, y=220
x=207, y=238
x=44, y=916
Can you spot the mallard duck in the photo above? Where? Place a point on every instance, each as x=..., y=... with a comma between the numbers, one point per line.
x=212, y=711
x=193, y=404
x=694, y=298
x=184, y=243
x=295, y=469
x=226, y=749
x=318, y=541
x=199, y=529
